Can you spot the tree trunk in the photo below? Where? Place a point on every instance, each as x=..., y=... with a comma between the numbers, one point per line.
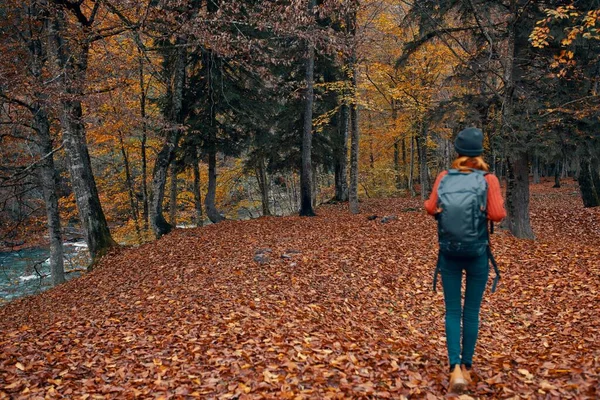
x=73, y=68
x=517, y=197
x=306, y=208
x=341, y=156
x=517, y=188
x=411, y=172
x=173, y=114
x=595, y=172
x=424, y=173
x=397, y=178
x=590, y=193
x=404, y=163
x=196, y=189
x=49, y=183
x=263, y=185
x=145, y=214
x=173, y=197
x=159, y=224
x=557, y=175
x=47, y=171
x=209, y=201
x=354, y=146
x=354, y=209
x=536, y=169
x=129, y=185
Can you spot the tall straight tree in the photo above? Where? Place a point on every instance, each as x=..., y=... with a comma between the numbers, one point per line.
x=306, y=208
x=70, y=53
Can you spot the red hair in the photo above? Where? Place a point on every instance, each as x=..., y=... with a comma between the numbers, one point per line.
x=464, y=163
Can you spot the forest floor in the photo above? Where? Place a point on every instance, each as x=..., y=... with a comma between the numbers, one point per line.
x=338, y=307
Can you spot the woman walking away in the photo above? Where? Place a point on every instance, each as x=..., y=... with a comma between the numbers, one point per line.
x=463, y=199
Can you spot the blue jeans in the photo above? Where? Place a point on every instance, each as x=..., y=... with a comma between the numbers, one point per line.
x=477, y=272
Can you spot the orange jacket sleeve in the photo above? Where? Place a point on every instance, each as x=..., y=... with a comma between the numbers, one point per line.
x=431, y=203
x=495, y=201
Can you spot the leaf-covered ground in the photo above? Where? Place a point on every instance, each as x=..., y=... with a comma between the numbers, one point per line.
x=341, y=307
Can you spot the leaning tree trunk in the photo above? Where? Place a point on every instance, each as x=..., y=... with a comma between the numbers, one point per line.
x=517, y=196
x=590, y=194
x=73, y=68
x=341, y=155
x=306, y=208
x=209, y=201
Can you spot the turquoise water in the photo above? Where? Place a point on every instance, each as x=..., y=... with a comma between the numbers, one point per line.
x=27, y=271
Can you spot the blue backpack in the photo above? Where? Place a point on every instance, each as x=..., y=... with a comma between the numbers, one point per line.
x=462, y=223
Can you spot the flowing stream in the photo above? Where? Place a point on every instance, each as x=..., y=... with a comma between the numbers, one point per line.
x=27, y=271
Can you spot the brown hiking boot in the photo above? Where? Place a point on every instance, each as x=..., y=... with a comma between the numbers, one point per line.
x=457, y=380
x=466, y=374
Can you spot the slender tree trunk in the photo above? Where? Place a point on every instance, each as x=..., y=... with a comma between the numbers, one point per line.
x=263, y=184
x=196, y=189
x=209, y=201
x=129, y=185
x=73, y=67
x=341, y=155
x=145, y=212
x=404, y=163
x=397, y=178
x=517, y=204
x=411, y=174
x=306, y=208
x=423, y=162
